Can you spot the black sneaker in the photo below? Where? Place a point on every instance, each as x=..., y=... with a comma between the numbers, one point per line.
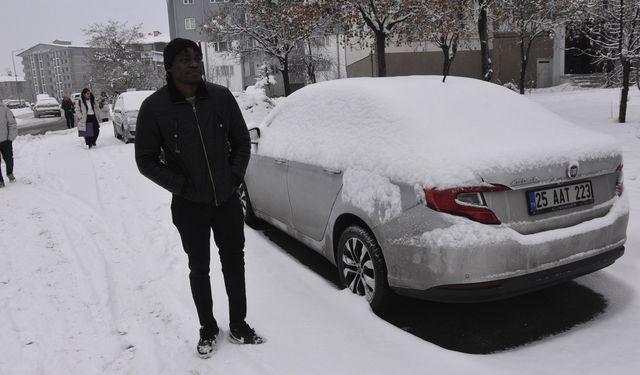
x=244, y=334
x=11, y=178
x=206, y=344
x=1, y=184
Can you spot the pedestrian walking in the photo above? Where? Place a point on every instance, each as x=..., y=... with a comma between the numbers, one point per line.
x=8, y=133
x=68, y=108
x=86, y=112
x=199, y=130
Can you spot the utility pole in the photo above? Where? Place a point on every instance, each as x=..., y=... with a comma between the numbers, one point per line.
x=15, y=74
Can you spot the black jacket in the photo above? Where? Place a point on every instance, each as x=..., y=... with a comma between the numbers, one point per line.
x=170, y=133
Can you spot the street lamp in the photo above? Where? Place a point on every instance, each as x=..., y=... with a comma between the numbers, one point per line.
x=16, y=74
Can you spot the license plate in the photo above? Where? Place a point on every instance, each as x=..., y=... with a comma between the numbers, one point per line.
x=559, y=197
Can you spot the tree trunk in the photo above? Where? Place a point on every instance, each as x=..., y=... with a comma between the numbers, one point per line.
x=311, y=68
x=524, y=60
x=380, y=54
x=483, y=33
x=445, y=62
x=626, y=73
x=285, y=75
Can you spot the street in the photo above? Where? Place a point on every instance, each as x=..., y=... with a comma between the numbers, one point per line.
x=27, y=124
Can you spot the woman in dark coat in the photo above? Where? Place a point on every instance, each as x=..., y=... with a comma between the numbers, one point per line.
x=67, y=107
x=86, y=115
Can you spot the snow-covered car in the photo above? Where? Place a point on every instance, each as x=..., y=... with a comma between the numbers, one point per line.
x=15, y=103
x=457, y=191
x=125, y=113
x=46, y=106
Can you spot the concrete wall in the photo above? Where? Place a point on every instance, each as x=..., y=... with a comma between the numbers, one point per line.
x=505, y=57
x=414, y=63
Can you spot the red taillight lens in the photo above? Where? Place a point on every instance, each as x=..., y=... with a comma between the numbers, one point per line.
x=446, y=200
x=619, y=180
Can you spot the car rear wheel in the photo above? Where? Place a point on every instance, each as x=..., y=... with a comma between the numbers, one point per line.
x=247, y=210
x=115, y=132
x=362, y=268
x=125, y=135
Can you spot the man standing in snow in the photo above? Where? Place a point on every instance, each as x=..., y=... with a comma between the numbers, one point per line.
x=8, y=133
x=192, y=140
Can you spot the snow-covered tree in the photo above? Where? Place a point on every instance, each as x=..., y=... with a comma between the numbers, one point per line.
x=314, y=59
x=531, y=20
x=446, y=23
x=377, y=20
x=613, y=28
x=115, y=65
x=275, y=28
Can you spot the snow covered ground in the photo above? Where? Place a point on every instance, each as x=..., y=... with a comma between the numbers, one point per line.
x=93, y=279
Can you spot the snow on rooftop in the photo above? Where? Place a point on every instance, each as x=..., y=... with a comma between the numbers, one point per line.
x=5, y=78
x=410, y=128
x=159, y=38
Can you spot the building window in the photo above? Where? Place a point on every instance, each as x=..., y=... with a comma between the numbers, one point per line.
x=190, y=23
x=187, y=2
x=220, y=46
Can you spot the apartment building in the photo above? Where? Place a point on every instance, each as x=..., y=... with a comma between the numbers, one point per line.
x=186, y=18
x=56, y=68
x=12, y=87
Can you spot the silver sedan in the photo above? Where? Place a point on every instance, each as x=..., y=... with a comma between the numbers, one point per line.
x=458, y=191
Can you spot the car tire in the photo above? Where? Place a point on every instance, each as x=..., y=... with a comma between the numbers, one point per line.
x=115, y=132
x=125, y=136
x=362, y=268
x=250, y=217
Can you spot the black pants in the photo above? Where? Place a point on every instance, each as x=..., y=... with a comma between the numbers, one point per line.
x=70, y=121
x=6, y=153
x=195, y=222
x=92, y=121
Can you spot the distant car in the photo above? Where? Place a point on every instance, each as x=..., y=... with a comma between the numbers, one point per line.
x=15, y=103
x=460, y=191
x=46, y=106
x=75, y=97
x=125, y=113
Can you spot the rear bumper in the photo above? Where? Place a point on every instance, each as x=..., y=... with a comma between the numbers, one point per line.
x=47, y=112
x=504, y=288
x=429, y=264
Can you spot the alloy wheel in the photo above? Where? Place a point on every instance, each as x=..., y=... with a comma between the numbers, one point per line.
x=358, y=271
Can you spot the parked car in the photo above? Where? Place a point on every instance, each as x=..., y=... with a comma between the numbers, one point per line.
x=47, y=106
x=125, y=113
x=75, y=97
x=460, y=191
x=15, y=103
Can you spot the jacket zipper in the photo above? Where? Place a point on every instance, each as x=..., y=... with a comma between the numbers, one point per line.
x=206, y=156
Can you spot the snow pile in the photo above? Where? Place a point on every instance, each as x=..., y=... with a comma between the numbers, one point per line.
x=372, y=193
x=410, y=128
x=255, y=104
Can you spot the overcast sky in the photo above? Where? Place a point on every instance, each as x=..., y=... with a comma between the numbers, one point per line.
x=25, y=23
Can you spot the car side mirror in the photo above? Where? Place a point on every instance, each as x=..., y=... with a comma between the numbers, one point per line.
x=254, y=133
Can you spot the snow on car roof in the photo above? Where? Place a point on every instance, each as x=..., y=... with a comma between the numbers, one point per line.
x=419, y=130
x=133, y=99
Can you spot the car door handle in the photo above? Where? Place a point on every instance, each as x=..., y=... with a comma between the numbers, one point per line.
x=331, y=171
x=280, y=161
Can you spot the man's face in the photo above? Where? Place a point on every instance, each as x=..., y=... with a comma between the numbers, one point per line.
x=187, y=67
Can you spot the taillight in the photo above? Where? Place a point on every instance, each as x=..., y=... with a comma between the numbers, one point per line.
x=464, y=201
x=619, y=180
